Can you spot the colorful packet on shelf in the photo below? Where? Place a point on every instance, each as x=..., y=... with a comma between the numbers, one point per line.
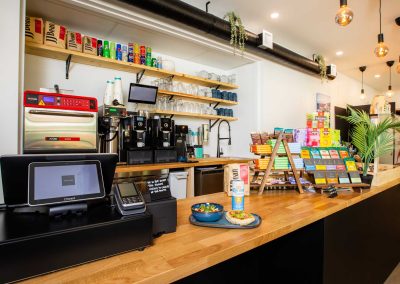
x=319, y=177
x=315, y=154
x=355, y=177
x=305, y=154
x=343, y=177
x=350, y=165
x=331, y=177
x=334, y=154
x=324, y=154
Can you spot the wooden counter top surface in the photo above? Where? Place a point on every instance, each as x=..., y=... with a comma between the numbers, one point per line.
x=191, y=248
x=201, y=163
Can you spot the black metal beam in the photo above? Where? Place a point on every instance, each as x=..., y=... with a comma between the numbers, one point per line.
x=215, y=26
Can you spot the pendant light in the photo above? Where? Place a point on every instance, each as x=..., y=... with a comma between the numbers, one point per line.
x=362, y=69
x=389, y=92
x=381, y=49
x=344, y=15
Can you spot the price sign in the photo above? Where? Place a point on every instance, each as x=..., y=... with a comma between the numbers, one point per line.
x=158, y=188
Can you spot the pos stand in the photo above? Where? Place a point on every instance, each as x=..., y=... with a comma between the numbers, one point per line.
x=54, y=211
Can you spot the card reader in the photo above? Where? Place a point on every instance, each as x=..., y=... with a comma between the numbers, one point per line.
x=129, y=200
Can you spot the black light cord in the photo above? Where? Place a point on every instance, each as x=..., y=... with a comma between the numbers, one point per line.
x=380, y=16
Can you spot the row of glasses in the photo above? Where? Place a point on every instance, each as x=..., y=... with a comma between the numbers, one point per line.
x=192, y=89
x=179, y=105
x=231, y=79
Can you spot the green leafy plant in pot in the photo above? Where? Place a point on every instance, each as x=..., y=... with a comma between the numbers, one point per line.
x=372, y=140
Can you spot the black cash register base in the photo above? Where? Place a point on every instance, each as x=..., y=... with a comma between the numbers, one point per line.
x=34, y=244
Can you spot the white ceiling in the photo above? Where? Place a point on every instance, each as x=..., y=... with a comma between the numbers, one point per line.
x=308, y=27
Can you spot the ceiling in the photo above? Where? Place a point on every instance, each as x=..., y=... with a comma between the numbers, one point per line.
x=308, y=27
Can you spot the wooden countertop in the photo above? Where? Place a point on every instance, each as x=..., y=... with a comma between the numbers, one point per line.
x=201, y=163
x=191, y=248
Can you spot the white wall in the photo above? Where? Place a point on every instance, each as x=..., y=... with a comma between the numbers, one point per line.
x=9, y=77
x=272, y=95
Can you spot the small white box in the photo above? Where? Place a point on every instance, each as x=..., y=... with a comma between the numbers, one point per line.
x=266, y=40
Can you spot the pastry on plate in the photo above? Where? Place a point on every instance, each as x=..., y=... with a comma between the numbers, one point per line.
x=239, y=217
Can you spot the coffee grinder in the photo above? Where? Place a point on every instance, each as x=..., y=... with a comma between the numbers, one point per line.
x=109, y=128
x=133, y=147
x=162, y=140
x=180, y=142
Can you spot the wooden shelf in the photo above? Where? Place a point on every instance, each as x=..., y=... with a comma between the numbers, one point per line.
x=197, y=98
x=341, y=185
x=194, y=115
x=98, y=61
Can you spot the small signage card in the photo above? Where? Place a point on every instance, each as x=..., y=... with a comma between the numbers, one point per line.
x=158, y=188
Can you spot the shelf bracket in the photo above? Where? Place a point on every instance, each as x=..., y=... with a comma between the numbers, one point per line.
x=67, y=64
x=213, y=124
x=215, y=106
x=217, y=87
x=170, y=97
x=139, y=76
x=171, y=116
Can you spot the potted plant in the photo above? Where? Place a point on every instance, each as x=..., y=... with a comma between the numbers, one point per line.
x=372, y=140
x=322, y=66
x=238, y=32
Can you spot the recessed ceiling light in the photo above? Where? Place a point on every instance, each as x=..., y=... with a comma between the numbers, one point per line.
x=274, y=15
x=377, y=76
x=339, y=53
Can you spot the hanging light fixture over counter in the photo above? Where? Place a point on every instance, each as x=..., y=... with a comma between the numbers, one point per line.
x=389, y=92
x=362, y=69
x=344, y=15
x=381, y=49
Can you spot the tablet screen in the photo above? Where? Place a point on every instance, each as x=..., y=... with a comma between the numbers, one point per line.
x=60, y=182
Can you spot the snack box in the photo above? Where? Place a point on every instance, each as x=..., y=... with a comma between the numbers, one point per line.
x=319, y=177
x=334, y=154
x=90, y=45
x=324, y=154
x=343, y=153
x=355, y=177
x=313, y=137
x=305, y=154
x=309, y=164
x=300, y=136
x=331, y=177
x=261, y=149
x=315, y=154
x=34, y=29
x=74, y=41
x=55, y=35
x=255, y=138
x=325, y=137
x=343, y=177
x=336, y=137
x=350, y=165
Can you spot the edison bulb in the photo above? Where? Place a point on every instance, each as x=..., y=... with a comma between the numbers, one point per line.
x=381, y=49
x=362, y=96
x=344, y=16
x=389, y=93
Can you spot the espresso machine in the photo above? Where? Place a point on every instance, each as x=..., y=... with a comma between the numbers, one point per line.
x=180, y=134
x=109, y=119
x=160, y=134
x=134, y=148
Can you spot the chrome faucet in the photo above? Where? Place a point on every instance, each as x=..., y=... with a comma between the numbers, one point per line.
x=219, y=151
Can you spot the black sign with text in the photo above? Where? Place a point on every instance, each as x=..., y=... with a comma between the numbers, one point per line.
x=158, y=188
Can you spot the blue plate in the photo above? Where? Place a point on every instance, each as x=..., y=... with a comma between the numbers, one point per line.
x=223, y=223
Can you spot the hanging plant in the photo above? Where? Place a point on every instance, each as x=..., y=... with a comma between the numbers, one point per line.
x=322, y=66
x=238, y=32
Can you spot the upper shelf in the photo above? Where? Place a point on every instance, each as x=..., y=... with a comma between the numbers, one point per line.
x=83, y=58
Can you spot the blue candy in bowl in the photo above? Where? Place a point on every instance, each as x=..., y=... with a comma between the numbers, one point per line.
x=207, y=212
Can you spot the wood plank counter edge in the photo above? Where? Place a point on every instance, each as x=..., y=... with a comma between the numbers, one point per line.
x=156, y=264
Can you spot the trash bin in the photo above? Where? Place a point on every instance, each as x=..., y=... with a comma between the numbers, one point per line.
x=177, y=184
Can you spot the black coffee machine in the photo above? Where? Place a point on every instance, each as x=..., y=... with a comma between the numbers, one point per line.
x=161, y=138
x=180, y=142
x=134, y=148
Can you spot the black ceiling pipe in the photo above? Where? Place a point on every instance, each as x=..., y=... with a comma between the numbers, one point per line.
x=206, y=22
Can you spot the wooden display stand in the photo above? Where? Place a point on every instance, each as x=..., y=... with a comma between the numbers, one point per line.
x=281, y=139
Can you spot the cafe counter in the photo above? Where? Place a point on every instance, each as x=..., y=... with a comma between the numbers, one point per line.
x=303, y=237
